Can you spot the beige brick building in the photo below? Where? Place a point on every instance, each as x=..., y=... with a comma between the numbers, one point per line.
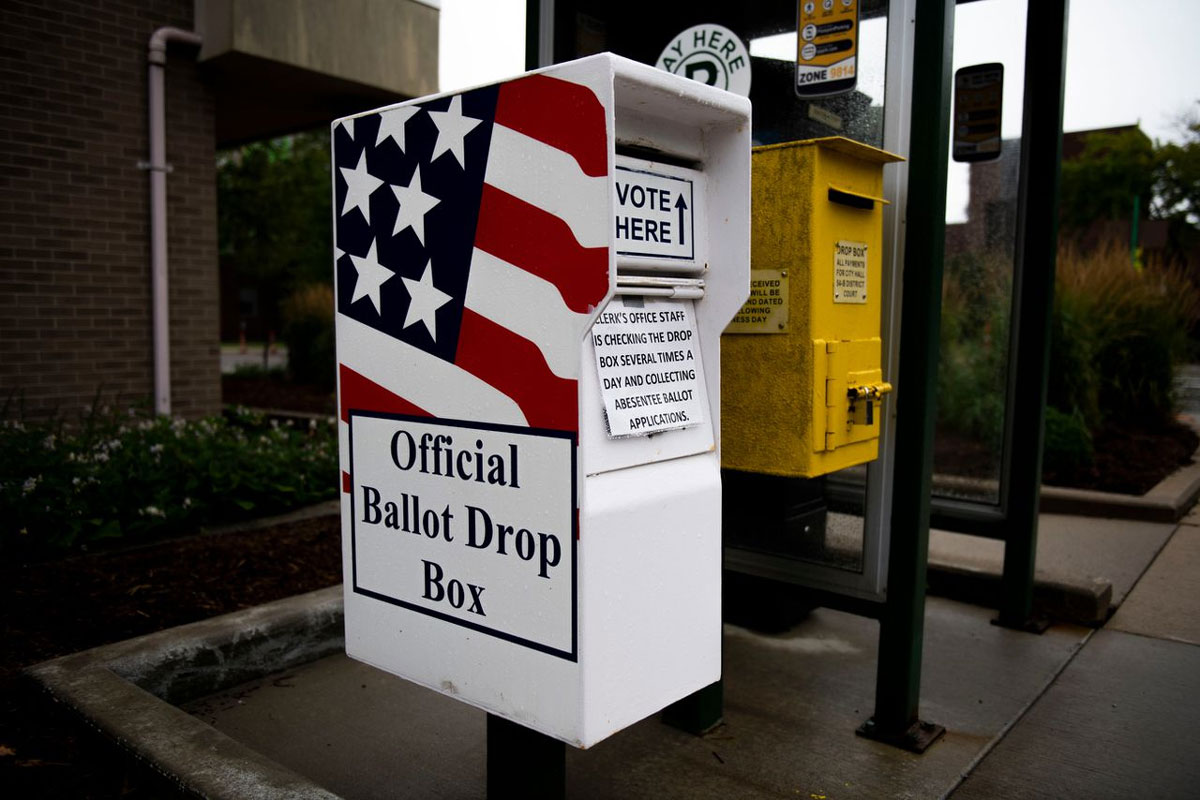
x=75, y=283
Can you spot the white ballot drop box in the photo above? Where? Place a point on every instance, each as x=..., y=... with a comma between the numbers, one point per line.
x=531, y=280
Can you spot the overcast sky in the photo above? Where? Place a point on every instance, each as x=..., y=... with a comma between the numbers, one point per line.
x=1125, y=63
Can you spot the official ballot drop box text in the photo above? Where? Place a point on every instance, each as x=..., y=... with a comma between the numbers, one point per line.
x=531, y=280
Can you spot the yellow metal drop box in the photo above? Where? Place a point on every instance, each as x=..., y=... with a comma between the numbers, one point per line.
x=801, y=378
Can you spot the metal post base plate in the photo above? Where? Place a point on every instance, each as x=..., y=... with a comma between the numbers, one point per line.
x=915, y=739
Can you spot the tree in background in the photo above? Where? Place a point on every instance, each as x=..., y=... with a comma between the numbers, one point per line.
x=1177, y=186
x=1122, y=173
x=1113, y=176
x=273, y=211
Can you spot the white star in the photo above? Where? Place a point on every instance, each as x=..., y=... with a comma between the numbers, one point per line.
x=391, y=123
x=452, y=128
x=424, y=301
x=348, y=124
x=359, y=186
x=414, y=205
x=371, y=275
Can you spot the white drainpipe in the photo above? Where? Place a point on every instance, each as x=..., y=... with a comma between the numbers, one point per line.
x=158, y=168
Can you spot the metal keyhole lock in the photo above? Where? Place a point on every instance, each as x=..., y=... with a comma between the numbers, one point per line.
x=871, y=393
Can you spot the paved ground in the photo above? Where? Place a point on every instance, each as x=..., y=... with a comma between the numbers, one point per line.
x=1187, y=389
x=1121, y=719
x=1074, y=712
x=1071, y=713
x=792, y=704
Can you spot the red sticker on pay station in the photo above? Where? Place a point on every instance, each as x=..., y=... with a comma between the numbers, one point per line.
x=655, y=211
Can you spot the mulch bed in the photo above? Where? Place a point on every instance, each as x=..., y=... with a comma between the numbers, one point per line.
x=1128, y=459
x=1132, y=460
x=53, y=608
x=268, y=392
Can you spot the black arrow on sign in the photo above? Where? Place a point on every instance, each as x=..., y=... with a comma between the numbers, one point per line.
x=681, y=204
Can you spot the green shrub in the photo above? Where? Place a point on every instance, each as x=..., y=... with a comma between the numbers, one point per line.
x=1068, y=448
x=1117, y=331
x=258, y=371
x=308, y=331
x=124, y=475
x=974, y=346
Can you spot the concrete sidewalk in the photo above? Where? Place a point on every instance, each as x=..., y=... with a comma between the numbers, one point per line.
x=1065, y=714
x=1094, y=714
x=1075, y=712
x=1120, y=720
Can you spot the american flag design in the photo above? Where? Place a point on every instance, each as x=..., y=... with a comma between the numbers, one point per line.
x=471, y=250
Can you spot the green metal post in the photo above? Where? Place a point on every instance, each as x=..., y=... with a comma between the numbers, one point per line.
x=699, y=712
x=524, y=763
x=533, y=32
x=902, y=623
x=1033, y=294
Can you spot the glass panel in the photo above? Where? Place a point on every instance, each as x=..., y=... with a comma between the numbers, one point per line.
x=1127, y=259
x=981, y=222
x=818, y=521
x=623, y=27
x=857, y=114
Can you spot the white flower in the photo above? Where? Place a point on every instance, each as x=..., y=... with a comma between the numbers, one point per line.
x=187, y=502
x=156, y=448
x=30, y=484
x=152, y=511
x=49, y=441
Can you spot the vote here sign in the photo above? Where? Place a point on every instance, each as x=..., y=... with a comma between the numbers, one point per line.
x=467, y=523
x=655, y=214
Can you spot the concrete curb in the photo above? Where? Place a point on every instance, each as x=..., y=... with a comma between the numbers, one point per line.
x=128, y=691
x=1081, y=601
x=1169, y=501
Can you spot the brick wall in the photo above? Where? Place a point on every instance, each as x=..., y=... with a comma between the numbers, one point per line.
x=74, y=231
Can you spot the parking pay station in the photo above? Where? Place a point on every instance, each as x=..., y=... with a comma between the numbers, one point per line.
x=803, y=377
x=532, y=279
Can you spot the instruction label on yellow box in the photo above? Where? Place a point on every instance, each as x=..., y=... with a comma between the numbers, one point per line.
x=766, y=310
x=849, y=272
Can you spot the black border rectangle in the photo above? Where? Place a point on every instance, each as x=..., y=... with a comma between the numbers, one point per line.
x=571, y=436
x=692, y=207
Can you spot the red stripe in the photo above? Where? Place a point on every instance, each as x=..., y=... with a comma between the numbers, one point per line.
x=542, y=244
x=363, y=394
x=346, y=482
x=516, y=367
x=564, y=115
